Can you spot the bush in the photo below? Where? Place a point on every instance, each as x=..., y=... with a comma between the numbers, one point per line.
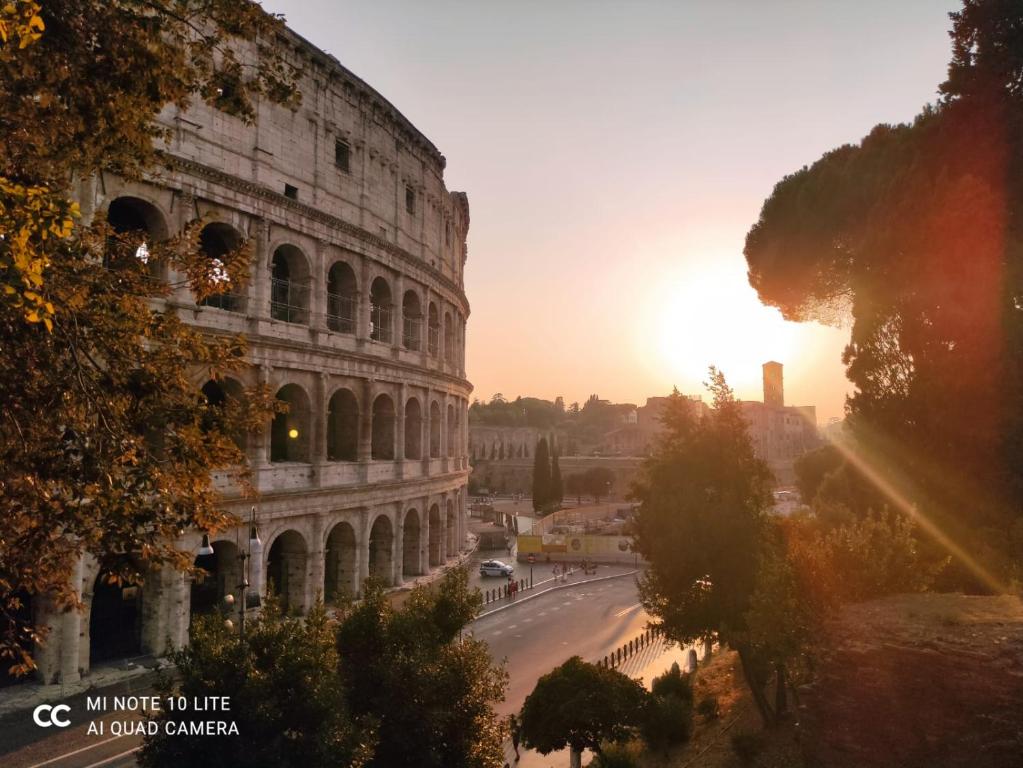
x=667, y=721
x=617, y=756
x=708, y=708
x=674, y=683
x=748, y=746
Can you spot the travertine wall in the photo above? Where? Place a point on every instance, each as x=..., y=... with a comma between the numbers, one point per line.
x=326, y=523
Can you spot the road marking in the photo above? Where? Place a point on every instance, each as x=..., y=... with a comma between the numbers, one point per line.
x=498, y=631
x=525, y=620
x=115, y=757
x=75, y=752
x=513, y=626
x=543, y=613
x=627, y=610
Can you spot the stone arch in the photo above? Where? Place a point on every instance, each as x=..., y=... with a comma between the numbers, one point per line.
x=452, y=427
x=115, y=619
x=343, y=426
x=341, y=563
x=433, y=329
x=412, y=320
x=223, y=394
x=435, y=426
x=216, y=240
x=383, y=428
x=381, y=549
x=139, y=223
x=411, y=545
x=436, y=537
x=285, y=570
x=451, y=527
x=220, y=575
x=413, y=429
x=380, y=309
x=289, y=285
x=289, y=433
x=342, y=297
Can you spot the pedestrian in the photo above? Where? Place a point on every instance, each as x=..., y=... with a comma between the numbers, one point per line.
x=515, y=728
x=555, y=571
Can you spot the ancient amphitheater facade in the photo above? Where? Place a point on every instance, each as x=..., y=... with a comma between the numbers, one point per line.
x=355, y=315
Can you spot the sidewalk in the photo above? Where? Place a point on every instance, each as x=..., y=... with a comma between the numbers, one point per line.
x=549, y=583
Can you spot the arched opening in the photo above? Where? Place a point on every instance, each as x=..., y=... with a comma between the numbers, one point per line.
x=436, y=537
x=216, y=241
x=412, y=318
x=433, y=330
x=451, y=430
x=139, y=224
x=289, y=285
x=220, y=575
x=383, y=428
x=413, y=429
x=434, y=430
x=285, y=570
x=381, y=543
x=342, y=295
x=343, y=427
x=115, y=619
x=341, y=575
x=410, y=565
x=451, y=527
x=449, y=339
x=380, y=311
x=289, y=433
x=223, y=399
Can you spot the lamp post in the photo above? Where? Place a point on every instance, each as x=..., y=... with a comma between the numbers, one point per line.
x=254, y=551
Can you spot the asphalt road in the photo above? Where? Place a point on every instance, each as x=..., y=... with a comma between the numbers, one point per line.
x=532, y=637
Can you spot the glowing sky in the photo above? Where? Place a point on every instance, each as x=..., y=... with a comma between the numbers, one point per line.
x=616, y=153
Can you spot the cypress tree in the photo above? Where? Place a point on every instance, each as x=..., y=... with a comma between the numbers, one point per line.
x=541, y=475
x=557, y=490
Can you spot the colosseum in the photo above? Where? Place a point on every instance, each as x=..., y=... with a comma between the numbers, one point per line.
x=355, y=316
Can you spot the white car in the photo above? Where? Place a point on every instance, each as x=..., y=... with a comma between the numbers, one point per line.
x=495, y=568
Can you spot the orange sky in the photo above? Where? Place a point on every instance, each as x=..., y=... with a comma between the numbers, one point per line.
x=616, y=153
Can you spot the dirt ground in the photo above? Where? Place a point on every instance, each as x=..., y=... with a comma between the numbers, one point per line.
x=919, y=681
x=909, y=681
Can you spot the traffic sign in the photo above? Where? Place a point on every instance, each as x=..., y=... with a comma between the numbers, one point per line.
x=532, y=558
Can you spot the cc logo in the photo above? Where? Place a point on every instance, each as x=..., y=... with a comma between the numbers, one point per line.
x=46, y=715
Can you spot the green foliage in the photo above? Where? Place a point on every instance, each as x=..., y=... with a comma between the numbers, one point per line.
x=915, y=234
x=675, y=683
x=557, y=487
x=717, y=564
x=106, y=445
x=865, y=557
x=667, y=722
x=581, y=705
x=627, y=755
x=430, y=692
x=598, y=482
x=812, y=467
x=520, y=412
x=748, y=745
x=285, y=695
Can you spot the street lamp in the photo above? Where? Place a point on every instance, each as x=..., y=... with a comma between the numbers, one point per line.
x=254, y=551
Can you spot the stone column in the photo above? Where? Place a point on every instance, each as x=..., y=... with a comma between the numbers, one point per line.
x=363, y=304
x=398, y=547
x=399, y=423
x=259, y=448
x=361, y=525
x=318, y=287
x=318, y=427
x=424, y=536
x=259, y=290
x=442, y=518
x=365, y=453
x=315, y=566
x=398, y=315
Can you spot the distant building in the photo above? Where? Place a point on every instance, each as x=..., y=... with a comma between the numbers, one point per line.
x=780, y=433
x=638, y=436
x=490, y=443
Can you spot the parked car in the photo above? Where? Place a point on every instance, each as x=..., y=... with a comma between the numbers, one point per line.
x=495, y=568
